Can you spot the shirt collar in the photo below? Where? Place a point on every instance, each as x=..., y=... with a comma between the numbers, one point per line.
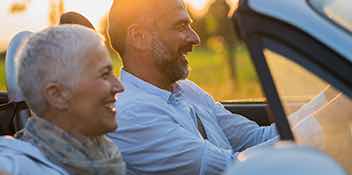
x=130, y=79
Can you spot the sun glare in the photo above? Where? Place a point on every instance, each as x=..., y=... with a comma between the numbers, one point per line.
x=33, y=15
x=94, y=10
x=198, y=7
x=196, y=4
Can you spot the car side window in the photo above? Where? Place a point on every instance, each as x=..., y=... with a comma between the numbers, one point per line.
x=319, y=114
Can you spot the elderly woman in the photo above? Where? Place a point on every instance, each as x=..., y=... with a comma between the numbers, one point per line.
x=67, y=79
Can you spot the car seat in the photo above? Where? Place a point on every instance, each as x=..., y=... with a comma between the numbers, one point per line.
x=13, y=110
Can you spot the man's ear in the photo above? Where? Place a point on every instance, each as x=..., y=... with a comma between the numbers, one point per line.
x=138, y=37
x=57, y=96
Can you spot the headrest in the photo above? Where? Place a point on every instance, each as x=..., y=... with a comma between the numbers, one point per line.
x=75, y=18
x=14, y=92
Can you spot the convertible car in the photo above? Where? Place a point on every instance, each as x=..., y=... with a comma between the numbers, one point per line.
x=302, y=52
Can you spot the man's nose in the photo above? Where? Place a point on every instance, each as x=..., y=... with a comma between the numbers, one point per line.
x=193, y=37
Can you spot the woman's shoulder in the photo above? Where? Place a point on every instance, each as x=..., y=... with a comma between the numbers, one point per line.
x=19, y=157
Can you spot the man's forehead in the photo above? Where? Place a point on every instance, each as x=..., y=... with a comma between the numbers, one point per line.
x=171, y=9
x=130, y=11
x=169, y=4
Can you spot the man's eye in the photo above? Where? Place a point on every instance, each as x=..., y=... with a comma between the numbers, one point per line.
x=181, y=27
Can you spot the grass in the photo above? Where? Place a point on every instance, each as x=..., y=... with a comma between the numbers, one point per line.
x=211, y=72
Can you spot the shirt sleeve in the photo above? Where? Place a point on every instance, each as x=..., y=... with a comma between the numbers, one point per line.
x=152, y=142
x=240, y=131
x=7, y=165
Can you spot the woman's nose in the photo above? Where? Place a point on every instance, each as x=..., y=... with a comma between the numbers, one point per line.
x=117, y=86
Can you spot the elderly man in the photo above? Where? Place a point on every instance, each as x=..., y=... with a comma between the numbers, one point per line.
x=66, y=77
x=168, y=124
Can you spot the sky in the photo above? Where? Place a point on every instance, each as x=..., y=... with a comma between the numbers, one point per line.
x=35, y=18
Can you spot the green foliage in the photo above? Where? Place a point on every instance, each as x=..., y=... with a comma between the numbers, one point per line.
x=211, y=72
x=18, y=7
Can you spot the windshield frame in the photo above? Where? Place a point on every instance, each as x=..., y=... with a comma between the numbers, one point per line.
x=337, y=69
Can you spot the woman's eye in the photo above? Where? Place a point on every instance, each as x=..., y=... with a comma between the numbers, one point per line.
x=105, y=75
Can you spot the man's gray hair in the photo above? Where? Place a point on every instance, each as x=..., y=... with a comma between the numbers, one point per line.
x=54, y=55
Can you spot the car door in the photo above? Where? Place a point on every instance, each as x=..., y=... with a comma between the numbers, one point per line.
x=305, y=77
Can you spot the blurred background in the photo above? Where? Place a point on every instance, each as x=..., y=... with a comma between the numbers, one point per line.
x=221, y=64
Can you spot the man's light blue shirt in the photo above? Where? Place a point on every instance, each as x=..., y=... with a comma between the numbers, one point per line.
x=158, y=132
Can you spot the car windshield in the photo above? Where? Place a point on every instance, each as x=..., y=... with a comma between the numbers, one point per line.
x=339, y=11
x=319, y=114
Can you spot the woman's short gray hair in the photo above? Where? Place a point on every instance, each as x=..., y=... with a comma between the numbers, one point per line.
x=54, y=55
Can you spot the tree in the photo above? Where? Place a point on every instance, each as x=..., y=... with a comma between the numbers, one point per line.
x=221, y=26
x=199, y=25
x=56, y=9
x=2, y=55
x=19, y=7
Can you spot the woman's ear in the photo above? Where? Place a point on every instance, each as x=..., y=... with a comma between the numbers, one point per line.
x=138, y=37
x=57, y=96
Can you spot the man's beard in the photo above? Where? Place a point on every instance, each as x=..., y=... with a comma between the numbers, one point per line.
x=173, y=66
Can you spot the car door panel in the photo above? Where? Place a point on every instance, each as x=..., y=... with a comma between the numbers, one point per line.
x=257, y=112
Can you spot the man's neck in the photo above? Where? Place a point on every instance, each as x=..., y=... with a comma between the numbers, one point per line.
x=151, y=76
x=143, y=67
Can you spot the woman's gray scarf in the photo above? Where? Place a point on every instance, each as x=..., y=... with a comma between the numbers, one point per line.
x=88, y=156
